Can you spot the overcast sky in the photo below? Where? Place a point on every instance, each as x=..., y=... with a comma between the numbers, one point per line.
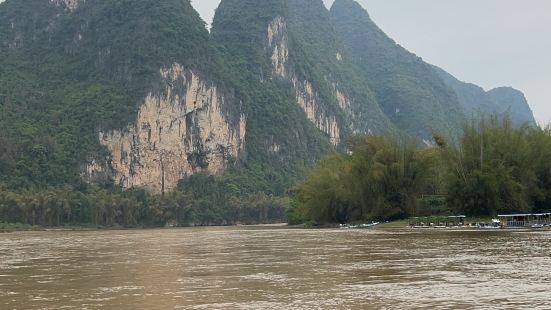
x=487, y=42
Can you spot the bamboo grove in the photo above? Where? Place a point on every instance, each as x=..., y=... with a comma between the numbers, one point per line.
x=493, y=168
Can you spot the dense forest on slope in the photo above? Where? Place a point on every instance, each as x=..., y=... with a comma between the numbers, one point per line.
x=281, y=142
x=103, y=103
x=411, y=94
x=68, y=75
x=317, y=54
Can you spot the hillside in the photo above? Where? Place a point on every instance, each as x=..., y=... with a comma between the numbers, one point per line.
x=411, y=94
x=512, y=102
x=136, y=99
x=502, y=101
x=86, y=87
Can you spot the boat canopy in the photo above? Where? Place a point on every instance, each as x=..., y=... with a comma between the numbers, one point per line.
x=515, y=215
x=524, y=215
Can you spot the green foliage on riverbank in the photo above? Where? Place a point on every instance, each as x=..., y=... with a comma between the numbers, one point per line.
x=95, y=207
x=498, y=168
x=494, y=168
x=11, y=227
x=380, y=178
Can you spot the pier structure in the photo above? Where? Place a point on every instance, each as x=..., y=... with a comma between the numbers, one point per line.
x=437, y=221
x=525, y=220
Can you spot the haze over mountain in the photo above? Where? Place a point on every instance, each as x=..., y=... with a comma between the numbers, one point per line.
x=138, y=94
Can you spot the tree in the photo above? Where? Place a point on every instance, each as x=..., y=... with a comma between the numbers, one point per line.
x=493, y=167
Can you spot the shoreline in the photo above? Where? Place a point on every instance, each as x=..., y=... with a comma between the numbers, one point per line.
x=17, y=227
x=6, y=228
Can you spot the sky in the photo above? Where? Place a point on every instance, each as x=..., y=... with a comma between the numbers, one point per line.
x=487, y=42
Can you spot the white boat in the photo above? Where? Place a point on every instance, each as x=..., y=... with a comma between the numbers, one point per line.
x=496, y=224
x=360, y=226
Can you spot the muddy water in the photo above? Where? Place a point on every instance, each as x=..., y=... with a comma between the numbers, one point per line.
x=237, y=268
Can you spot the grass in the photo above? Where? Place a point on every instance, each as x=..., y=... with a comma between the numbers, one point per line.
x=11, y=227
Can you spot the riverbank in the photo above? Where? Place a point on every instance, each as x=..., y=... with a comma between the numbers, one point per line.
x=18, y=227
x=8, y=227
x=405, y=223
x=15, y=227
x=399, y=224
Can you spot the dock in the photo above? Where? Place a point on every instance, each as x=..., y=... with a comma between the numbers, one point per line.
x=532, y=220
x=438, y=221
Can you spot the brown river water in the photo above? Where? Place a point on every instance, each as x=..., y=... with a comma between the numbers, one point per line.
x=274, y=268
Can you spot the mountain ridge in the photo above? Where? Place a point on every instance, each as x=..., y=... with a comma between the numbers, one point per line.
x=139, y=94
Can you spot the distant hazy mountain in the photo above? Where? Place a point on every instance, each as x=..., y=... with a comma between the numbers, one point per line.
x=502, y=101
x=513, y=102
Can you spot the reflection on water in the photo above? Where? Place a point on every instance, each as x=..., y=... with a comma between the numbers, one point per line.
x=247, y=268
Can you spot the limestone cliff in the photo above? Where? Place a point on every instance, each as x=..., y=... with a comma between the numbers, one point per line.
x=278, y=44
x=179, y=131
x=71, y=5
x=306, y=96
x=307, y=100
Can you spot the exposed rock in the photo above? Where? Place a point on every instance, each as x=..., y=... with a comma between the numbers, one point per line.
x=275, y=148
x=307, y=100
x=71, y=5
x=278, y=43
x=178, y=132
x=306, y=97
x=346, y=106
x=97, y=171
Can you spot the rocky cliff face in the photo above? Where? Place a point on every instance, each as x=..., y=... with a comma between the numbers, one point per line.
x=71, y=5
x=179, y=131
x=306, y=96
x=278, y=45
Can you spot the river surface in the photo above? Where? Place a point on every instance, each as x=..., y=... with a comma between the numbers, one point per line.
x=269, y=268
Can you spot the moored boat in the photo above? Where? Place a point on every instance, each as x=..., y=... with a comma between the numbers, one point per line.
x=359, y=226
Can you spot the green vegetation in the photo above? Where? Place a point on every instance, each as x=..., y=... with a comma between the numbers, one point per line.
x=313, y=47
x=380, y=179
x=495, y=168
x=498, y=168
x=11, y=227
x=273, y=117
x=409, y=91
x=66, y=76
x=217, y=204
